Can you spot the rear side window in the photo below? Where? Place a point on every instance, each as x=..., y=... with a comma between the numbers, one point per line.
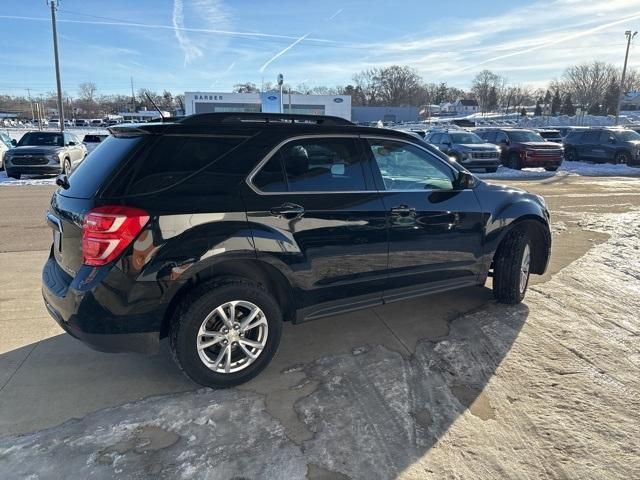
x=435, y=138
x=591, y=137
x=92, y=172
x=169, y=160
x=314, y=165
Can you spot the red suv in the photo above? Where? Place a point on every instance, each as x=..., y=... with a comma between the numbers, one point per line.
x=524, y=148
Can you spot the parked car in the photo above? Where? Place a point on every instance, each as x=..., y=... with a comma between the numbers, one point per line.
x=54, y=123
x=43, y=153
x=467, y=148
x=603, y=144
x=6, y=143
x=550, y=135
x=82, y=123
x=92, y=141
x=96, y=122
x=215, y=240
x=524, y=148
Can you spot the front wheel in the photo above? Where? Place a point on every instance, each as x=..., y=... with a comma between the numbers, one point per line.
x=491, y=170
x=14, y=175
x=511, y=266
x=571, y=155
x=226, y=333
x=622, y=157
x=551, y=169
x=514, y=161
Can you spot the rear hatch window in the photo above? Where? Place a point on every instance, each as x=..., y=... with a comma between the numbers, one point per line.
x=91, y=174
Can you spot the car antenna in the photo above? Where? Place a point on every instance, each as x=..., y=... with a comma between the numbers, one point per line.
x=154, y=104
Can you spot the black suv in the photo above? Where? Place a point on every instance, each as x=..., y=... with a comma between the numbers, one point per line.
x=467, y=148
x=614, y=145
x=215, y=228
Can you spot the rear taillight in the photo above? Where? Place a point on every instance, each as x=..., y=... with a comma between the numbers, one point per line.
x=107, y=231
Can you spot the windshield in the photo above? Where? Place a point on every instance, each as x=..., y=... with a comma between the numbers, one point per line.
x=628, y=136
x=465, y=137
x=33, y=139
x=525, y=136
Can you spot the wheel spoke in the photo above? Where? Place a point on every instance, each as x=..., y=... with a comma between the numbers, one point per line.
x=220, y=355
x=259, y=321
x=251, y=316
x=251, y=343
x=210, y=343
x=224, y=317
x=232, y=312
x=247, y=352
x=227, y=365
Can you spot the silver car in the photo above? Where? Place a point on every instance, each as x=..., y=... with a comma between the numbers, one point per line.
x=41, y=153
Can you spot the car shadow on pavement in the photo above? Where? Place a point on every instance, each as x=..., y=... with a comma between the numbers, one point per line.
x=368, y=413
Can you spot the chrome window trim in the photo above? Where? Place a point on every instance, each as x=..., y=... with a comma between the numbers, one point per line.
x=272, y=152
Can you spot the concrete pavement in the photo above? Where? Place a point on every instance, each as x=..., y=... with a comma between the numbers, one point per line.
x=47, y=377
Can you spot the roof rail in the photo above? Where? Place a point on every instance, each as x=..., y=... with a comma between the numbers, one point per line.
x=241, y=117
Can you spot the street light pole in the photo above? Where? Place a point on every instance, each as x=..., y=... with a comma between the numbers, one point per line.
x=624, y=71
x=54, y=5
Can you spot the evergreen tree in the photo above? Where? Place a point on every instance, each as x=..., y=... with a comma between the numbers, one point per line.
x=523, y=112
x=611, y=98
x=556, y=103
x=594, y=109
x=538, y=111
x=547, y=98
x=567, y=107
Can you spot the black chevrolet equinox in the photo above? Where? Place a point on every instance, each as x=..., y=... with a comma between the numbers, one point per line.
x=214, y=229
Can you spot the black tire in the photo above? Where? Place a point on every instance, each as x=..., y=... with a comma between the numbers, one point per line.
x=622, y=157
x=571, y=155
x=491, y=170
x=551, y=169
x=509, y=286
x=194, y=310
x=514, y=161
x=14, y=175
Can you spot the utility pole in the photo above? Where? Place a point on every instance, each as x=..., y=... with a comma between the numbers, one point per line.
x=54, y=5
x=629, y=36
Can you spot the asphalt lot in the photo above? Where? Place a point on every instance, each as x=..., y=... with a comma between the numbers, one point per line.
x=47, y=377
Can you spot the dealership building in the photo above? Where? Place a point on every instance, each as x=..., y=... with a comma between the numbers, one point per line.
x=268, y=102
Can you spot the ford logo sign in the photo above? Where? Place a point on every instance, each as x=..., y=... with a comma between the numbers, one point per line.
x=338, y=100
x=272, y=97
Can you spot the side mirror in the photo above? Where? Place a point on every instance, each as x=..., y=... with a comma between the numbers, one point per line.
x=612, y=139
x=465, y=180
x=448, y=144
x=14, y=142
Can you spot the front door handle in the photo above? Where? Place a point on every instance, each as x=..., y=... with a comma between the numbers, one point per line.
x=403, y=210
x=287, y=209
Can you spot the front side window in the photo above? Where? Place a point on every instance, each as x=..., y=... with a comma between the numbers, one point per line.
x=406, y=167
x=501, y=138
x=591, y=137
x=314, y=165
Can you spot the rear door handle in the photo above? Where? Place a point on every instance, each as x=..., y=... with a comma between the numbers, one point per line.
x=287, y=209
x=403, y=210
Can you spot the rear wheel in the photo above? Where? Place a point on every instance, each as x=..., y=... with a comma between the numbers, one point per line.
x=514, y=161
x=511, y=266
x=491, y=170
x=571, y=155
x=622, y=157
x=551, y=169
x=226, y=333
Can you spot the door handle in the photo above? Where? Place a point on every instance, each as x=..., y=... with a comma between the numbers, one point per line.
x=403, y=210
x=287, y=209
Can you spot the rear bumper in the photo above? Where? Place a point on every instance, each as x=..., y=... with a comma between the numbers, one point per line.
x=89, y=308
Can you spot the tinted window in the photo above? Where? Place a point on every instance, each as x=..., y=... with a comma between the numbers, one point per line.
x=465, y=137
x=574, y=136
x=591, y=137
x=169, y=160
x=87, y=178
x=501, y=137
x=41, y=139
x=270, y=178
x=605, y=136
x=323, y=165
x=525, y=136
x=435, y=138
x=489, y=136
x=406, y=167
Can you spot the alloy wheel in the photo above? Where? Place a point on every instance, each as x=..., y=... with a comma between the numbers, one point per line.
x=524, y=268
x=232, y=336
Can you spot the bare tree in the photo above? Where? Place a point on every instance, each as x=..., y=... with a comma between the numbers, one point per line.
x=87, y=91
x=588, y=82
x=485, y=86
x=367, y=82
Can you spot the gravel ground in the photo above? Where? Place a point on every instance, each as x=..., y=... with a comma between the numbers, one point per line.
x=546, y=389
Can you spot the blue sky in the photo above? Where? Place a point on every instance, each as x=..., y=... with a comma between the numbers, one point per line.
x=210, y=45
